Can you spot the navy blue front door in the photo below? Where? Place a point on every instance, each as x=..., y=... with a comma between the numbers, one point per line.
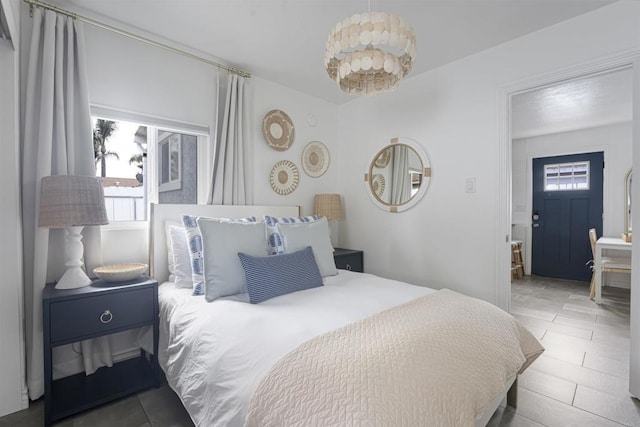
x=567, y=202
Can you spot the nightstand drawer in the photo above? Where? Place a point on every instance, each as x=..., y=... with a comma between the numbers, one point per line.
x=352, y=262
x=99, y=314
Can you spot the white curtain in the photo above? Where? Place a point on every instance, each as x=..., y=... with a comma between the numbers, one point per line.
x=57, y=141
x=400, y=178
x=230, y=177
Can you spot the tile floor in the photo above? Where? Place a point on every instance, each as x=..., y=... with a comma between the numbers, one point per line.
x=581, y=379
x=152, y=408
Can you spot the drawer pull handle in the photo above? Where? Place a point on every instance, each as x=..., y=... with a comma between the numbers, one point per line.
x=349, y=267
x=106, y=317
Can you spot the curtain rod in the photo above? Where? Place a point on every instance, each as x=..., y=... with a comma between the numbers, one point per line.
x=125, y=33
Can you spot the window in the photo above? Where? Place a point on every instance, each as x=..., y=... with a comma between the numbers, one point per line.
x=169, y=149
x=139, y=164
x=566, y=176
x=119, y=148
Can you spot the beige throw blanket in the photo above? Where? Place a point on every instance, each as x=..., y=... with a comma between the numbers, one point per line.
x=435, y=361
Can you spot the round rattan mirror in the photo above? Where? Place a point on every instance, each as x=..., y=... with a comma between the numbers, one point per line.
x=398, y=175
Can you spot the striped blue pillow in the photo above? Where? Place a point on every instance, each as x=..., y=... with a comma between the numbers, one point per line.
x=274, y=238
x=272, y=276
x=194, y=241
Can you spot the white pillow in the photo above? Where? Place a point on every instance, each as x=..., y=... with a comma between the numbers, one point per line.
x=170, y=265
x=221, y=243
x=296, y=237
x=274, y=239
x=181, y=260
x=194, y=243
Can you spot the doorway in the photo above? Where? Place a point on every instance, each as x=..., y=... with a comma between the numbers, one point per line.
x=588, y=114
x=514, y=207
x=567, y=201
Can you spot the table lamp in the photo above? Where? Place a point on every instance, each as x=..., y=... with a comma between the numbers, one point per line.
x=329, y=205
x=71, y=202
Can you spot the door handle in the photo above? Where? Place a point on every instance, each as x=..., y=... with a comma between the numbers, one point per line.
x=535, y=215
x=535, y=225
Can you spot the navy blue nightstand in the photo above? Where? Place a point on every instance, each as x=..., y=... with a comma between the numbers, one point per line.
x=349, y=259
x=102, y=308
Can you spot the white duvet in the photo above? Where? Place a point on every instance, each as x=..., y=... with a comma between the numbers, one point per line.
x=215, y=354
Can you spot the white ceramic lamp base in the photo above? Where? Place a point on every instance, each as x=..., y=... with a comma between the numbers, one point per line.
x=74, y=277
x=334, y=233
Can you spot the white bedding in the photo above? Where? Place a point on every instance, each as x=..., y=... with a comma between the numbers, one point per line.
x=215, y=354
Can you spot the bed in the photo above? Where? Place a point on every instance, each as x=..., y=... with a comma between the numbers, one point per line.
x=234, y=364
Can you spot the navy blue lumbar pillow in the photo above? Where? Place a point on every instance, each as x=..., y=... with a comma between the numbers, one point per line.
x=272, y=276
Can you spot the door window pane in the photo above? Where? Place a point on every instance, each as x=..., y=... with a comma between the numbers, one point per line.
x=566, y=176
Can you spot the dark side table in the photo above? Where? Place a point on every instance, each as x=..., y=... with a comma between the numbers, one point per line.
x=349, y=259
x=102, y=308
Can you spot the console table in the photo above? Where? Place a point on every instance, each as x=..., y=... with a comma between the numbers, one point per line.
x=609, y=243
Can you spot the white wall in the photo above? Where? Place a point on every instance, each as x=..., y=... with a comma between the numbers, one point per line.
x=314, y=120
x=12, y=383
x=448, y=239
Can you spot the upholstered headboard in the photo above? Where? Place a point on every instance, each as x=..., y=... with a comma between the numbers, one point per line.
x=161, y=213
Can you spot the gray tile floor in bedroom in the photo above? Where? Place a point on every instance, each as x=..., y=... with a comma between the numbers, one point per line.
x=581, y=379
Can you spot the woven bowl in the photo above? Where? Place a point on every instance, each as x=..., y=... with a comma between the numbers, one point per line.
x=120, y=272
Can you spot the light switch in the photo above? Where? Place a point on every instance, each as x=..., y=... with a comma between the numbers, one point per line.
x=470, y=185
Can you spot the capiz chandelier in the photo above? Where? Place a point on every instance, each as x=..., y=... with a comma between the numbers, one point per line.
x=369, y=53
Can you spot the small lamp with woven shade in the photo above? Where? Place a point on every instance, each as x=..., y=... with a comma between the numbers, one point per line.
x=330, y=206
x=71, y=202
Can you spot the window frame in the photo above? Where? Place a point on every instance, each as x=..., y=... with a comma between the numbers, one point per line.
x=153, y=124
x=572, y=176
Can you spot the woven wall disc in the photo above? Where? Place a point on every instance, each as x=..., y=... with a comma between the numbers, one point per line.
x=284, y=177
x=278, y=130
x=315, y=159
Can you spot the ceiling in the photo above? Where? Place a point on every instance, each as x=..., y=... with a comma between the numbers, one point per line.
x=283, y=40
x=576, y=104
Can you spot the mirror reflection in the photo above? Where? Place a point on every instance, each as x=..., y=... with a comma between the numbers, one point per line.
x=396, y=174
x=627, y=210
